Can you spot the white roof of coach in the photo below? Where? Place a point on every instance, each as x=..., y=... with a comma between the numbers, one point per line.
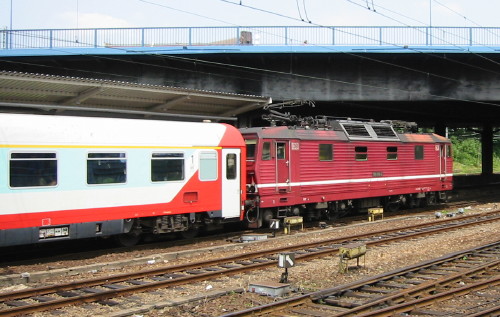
x=24, y=129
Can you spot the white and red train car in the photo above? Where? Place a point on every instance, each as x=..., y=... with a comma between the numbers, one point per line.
x=347, y=165
x=77, y=177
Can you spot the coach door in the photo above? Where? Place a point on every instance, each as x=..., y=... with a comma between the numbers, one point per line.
x=282, y=165
x=231, y=180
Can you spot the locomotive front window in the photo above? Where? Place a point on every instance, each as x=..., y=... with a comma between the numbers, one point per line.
x=326, y=152
x=361, y=153
x=167, y=167
x=106, y=168
x=392, y=152
x=266, y=151
x=419, y=152
x=251, y=144
x=33, y=169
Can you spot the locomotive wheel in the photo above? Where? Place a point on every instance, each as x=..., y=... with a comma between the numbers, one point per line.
x=267, y=215
x=428, y=200
x=392, y=206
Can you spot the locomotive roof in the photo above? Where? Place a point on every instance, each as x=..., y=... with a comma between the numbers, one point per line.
x=347, y=132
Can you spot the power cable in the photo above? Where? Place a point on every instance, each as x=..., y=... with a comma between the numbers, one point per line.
x=305, y=11
x=432, y=35
x=298, y=9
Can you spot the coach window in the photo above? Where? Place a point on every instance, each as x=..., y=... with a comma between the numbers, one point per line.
x=231, y=166
x=419, y=152
x=106, y=168
x=326, y=152
x=33, y=169
x=208, y=166
x=266, y=151
x=167, y=167
x=392, y=153
x=361, y=153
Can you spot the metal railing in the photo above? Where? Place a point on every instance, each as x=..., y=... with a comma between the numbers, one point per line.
x=254, y=35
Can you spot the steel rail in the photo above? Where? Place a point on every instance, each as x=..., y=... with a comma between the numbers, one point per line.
x=204, y=276
x=424, y=288
x=410, y=305
x=368, y=309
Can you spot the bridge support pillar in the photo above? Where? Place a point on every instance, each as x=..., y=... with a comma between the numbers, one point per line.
x=487, y=150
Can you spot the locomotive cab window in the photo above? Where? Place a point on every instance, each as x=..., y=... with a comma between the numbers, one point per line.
x=250, y=145
x=167, y=167
x=208, y=166
x=419, y=152
x=361, y=153
x=106, y=168
x=33, y=169
x=448, y=150
x=326, y=152
x=392, y=153
x=266, y=151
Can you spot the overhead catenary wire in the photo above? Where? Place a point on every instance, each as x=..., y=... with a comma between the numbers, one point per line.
x=432, y=35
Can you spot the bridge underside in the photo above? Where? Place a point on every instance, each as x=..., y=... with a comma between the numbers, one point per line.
x=450, y=89
x=433, y=89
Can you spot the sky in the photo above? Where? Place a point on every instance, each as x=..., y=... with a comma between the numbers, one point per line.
x=42, y=14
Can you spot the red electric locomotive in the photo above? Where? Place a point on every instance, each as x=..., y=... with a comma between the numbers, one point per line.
x=330, y=167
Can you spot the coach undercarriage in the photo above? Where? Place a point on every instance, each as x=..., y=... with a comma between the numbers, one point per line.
x=186, y=225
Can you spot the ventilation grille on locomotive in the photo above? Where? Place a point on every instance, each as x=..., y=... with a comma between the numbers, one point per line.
x=369, y=132
x=356, y=130
x=384, y=132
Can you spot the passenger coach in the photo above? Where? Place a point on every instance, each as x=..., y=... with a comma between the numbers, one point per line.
x=76, y=177
x=337, y=166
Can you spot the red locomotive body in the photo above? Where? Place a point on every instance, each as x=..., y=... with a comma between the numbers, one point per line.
x=347, y=165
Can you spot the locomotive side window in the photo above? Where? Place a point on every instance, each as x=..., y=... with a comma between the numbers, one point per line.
x=251, y=144
x=208, y=166
x=280, y=151
x=326, y=152
x=266, y=151
x=33, y=169
x=361, y=153
x=106, y=168
x=231, y=166
x=167, y=167
x=419, y=152
x=392, y=152
x=448, y=150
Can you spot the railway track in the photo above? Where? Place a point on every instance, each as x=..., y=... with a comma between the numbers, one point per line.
x=408, y=291
x=40, y=253
x=112, y=287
